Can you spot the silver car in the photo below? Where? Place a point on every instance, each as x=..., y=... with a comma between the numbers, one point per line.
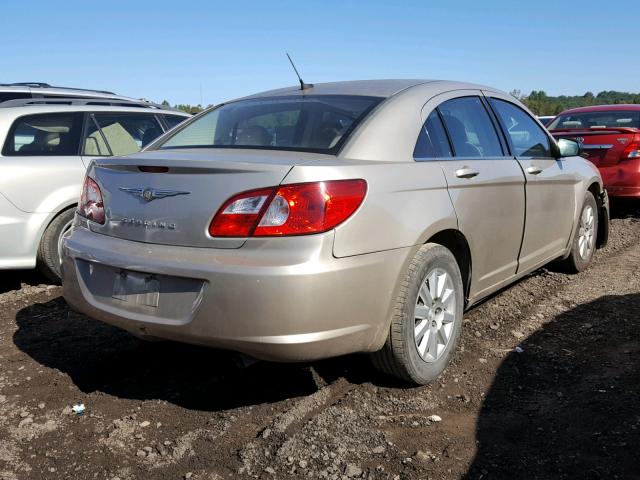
x=46, y=142
x=300, y=224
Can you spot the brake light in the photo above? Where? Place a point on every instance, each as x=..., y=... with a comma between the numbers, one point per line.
x=631, y=151
x=91, y=205
x=297, y=209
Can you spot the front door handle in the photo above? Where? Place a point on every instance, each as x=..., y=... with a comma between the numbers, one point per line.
x=533, y=170
x=466, y=172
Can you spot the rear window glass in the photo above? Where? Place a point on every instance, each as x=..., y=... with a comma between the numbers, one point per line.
x=44, y=135
x=315, y=123
x=615, y=118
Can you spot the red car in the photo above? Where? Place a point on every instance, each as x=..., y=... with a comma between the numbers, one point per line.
x=610, y=138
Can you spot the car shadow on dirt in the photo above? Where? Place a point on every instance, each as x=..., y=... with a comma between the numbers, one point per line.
x=567, y=407
x=99, y=357
x=13, y=279
x=624, y=208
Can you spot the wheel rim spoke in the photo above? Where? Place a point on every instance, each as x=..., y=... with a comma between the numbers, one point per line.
x=433, y=285
x=433, y=344
x=448, y=298
x=422, y=345
x=442, y=336
x=425, y=294
x=421, y=312
x=421, y=329
x=448, y=317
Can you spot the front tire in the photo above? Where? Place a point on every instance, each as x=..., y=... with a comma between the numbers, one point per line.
x=425, y=327
x=583, y=245
x=50, y=249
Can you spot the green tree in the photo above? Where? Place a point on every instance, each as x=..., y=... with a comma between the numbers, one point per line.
x=542, y=104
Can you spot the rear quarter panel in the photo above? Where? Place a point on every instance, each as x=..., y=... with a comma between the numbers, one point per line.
x=589, y=175
x=405, y=204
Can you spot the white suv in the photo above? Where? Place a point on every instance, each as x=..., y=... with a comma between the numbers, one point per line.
x=46, y=143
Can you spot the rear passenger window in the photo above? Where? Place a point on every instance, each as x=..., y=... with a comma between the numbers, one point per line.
x=432, y=141
x=527, y=138
x=120, y=134
x=470, y=128
x=44, y=135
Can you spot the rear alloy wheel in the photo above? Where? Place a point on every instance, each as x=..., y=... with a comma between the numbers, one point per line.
x=50, y=249
x=584, y=240
x=426, y=325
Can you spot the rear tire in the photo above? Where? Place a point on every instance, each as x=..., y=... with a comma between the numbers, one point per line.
x=427, y=318
x=584, y=240
x=49, y=261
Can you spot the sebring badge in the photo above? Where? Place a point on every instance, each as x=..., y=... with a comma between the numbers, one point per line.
x=148, y=224
x=149, y=194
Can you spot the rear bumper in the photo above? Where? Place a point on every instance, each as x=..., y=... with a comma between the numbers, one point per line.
x=623, y=179
x=284, y=299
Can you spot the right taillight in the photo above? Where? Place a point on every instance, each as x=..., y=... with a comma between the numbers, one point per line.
x=296, y=209
x=91, y=205
x=631, y=151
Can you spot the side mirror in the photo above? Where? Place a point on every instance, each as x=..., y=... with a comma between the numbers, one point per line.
x=568, y=148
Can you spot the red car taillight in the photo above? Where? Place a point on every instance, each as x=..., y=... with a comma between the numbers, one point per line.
x=631, y=151
x=91, y=205
x=297, y=209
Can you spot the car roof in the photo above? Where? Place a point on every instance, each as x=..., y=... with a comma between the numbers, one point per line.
x=37, y=88
x=54, y=108
x=373, y=88
x=602, y=108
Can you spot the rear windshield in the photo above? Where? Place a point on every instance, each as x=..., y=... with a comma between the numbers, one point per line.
x=615, y=118
x=314, y=123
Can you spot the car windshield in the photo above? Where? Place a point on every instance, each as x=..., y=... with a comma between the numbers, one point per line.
x=614, y=118
x=314, y=123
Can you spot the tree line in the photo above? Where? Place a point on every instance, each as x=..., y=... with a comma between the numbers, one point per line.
x=192, y=109
x=538, y=101
x=542, y=104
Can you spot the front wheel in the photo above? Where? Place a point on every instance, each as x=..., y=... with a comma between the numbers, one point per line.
x=583, y=245
x=426, y=323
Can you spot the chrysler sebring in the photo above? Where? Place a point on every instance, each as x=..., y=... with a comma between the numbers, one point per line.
x=311, y=222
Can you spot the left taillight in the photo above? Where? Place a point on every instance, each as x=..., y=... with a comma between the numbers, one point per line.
x=91, y=205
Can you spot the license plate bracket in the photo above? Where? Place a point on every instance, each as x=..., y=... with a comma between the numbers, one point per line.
x=136, y=288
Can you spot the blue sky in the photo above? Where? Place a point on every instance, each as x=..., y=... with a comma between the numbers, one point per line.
x=176, y=49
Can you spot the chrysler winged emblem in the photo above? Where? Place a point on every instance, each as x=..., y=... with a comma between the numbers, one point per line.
x=149, y=194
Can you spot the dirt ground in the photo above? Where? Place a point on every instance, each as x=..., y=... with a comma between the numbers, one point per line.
x=566, y=406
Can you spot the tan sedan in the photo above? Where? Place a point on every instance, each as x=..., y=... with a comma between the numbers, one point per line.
x=363, y=216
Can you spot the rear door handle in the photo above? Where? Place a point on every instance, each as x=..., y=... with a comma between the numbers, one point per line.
x=466, y=172
x=533, y=170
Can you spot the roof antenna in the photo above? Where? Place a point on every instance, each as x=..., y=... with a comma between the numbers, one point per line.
x=303, y=86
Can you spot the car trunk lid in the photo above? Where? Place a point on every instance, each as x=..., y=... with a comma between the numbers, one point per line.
x=170, y=197
x=603, y=146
